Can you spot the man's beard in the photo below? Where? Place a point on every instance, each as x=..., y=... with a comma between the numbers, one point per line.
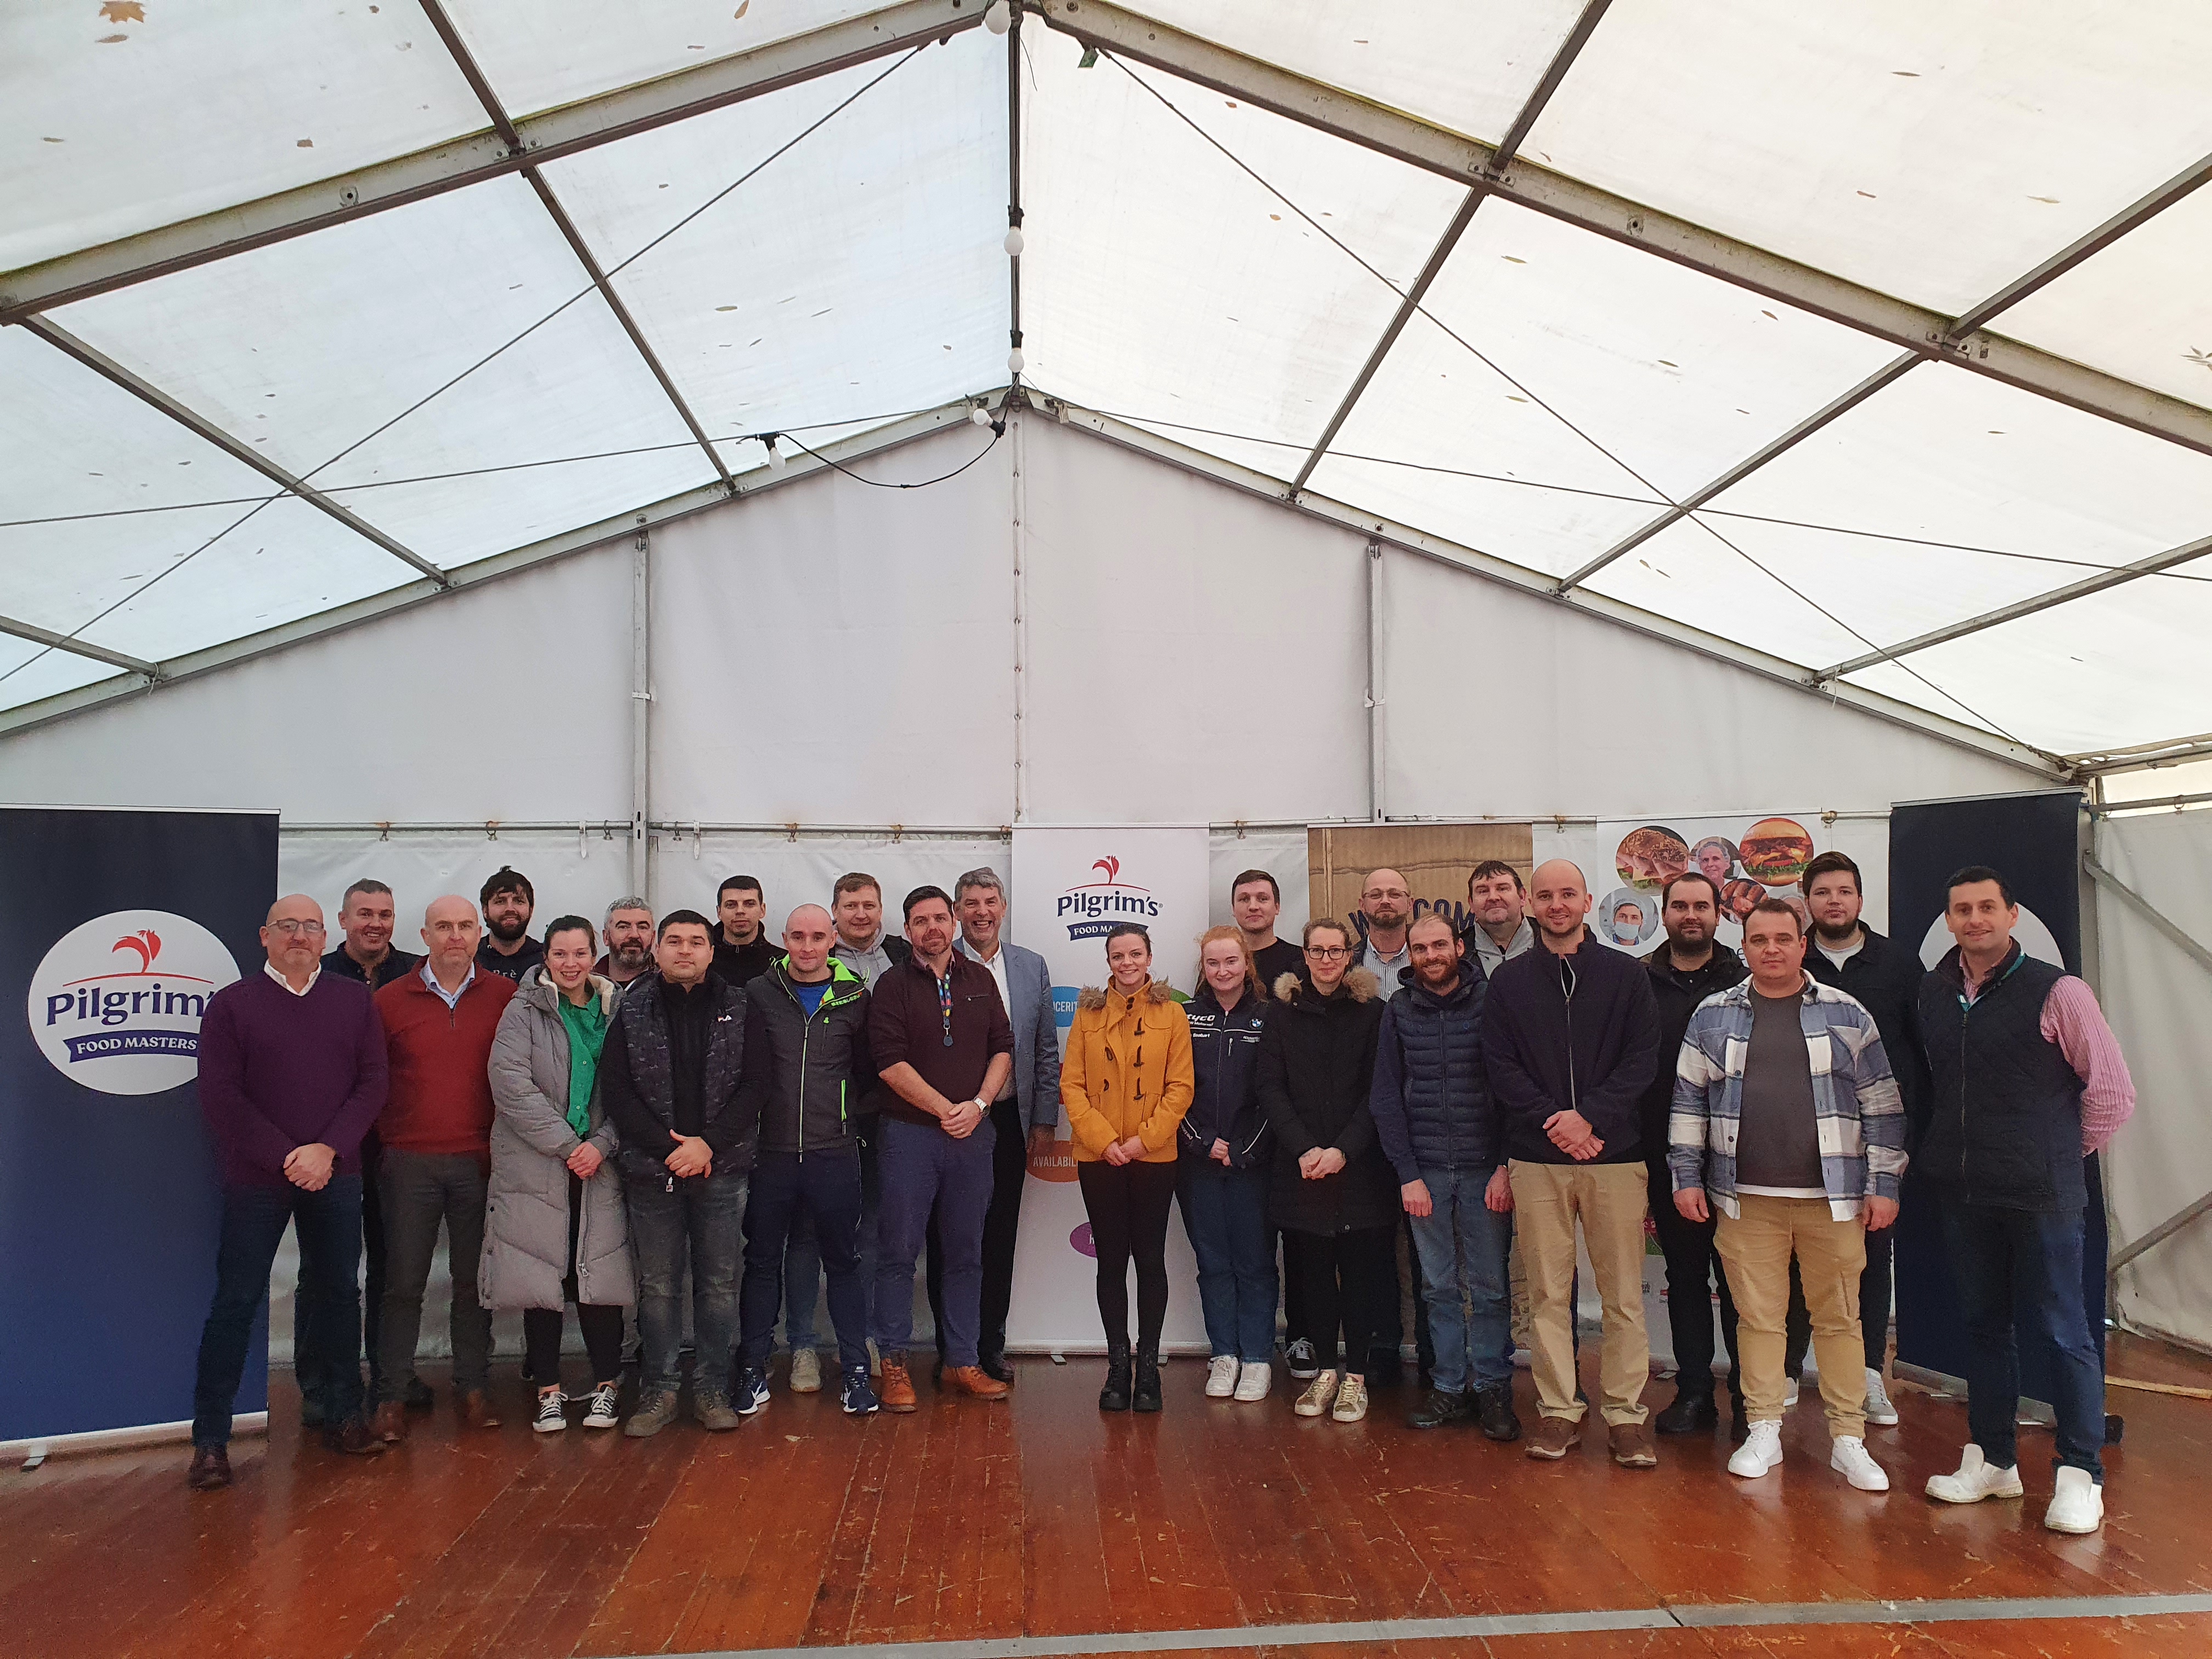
x=1836, y=935
x=1690, y=942
x=509, y=928
x=631, y=956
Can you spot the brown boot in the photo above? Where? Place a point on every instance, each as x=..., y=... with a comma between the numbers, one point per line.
x=1555, y=1436
x=477, y=1412
x=895, y=1387
x=390, y=1422
x=974, y=1380
x=211, y=1469
x=1632, y=1446
x=354, y=1437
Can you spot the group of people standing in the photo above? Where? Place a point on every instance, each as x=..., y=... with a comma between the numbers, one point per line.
x=592, y=1113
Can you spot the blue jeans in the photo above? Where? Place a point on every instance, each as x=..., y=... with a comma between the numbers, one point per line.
x=803, y=1258
x=824, y=1192
x=254, y=1222
x=702, y=1212
x=922, y=1167
x=1462, y=1243
x=1225, y=1213
x=2020, y=1271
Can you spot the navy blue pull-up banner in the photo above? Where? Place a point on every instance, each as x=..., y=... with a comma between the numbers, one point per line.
x=116, y=925
x=2034, y=840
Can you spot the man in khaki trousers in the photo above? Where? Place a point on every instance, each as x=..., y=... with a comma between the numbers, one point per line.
x=1786, y=1121
x=1570, y=1041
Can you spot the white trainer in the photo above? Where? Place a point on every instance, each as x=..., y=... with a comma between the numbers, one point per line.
x=1975, y=1480
x=1880, y=1410
x=1254, y=1380
x=805, y=1372
x=1852, y=1460
x=1315, y=1400
x=1221, y=1376
x=1760, y=1453
x=1790, y=1394
x=2078, y=1505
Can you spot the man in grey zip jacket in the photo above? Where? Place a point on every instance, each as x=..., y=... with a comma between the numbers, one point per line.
x=807, y=1076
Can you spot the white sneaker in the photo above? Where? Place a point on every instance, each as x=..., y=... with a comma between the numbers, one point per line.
x=805, y=1372
x=1253, y=1381
x=552, y=1412
x=2078, y=1505
x=1315, y=1400
x=1975, y=1480
x=875, y=1360
x=1221, y=1376
x=1351, y=1399
x=600, y=1413
x=1880, y=1410
x=1759, y=1453
x=1852, y=1460
x=1789, y=1394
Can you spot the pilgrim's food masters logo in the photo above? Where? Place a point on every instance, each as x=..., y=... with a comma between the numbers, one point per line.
x=115, y=1005
x=1091, y=910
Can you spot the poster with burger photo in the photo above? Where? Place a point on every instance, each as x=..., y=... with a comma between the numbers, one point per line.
x=1748, y=858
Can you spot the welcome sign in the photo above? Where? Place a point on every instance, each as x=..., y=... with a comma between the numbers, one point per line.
x=1071, y=888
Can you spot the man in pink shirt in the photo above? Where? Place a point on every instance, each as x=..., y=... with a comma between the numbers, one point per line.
x=2027, y=1082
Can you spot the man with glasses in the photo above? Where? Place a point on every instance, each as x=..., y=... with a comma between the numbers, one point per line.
x=291, y=1072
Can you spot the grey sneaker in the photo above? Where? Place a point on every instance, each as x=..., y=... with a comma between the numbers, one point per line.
x=805, y=1372
x=656, y=1410
x=712, y=1411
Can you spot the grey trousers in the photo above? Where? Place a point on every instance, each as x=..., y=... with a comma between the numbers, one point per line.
x=420, y=1190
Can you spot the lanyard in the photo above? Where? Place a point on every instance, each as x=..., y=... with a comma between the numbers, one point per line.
x=945, y=1003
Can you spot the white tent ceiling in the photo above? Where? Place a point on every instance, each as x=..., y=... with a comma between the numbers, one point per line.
x=318, y=303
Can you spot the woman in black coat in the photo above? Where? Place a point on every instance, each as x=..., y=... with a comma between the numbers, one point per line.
x=1331, y=1186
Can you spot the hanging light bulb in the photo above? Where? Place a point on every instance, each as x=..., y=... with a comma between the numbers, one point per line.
x=999, y=17
x=774, y=455
x=979, y=415
x=1014, y=243
x=1015, y=360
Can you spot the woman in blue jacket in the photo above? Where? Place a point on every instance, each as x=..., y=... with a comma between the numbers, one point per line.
x=1221, y=1168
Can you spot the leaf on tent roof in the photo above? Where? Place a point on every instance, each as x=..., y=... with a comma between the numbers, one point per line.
x=122, y=11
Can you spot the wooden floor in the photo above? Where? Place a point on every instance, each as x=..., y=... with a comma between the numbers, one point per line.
x=1043, y=1518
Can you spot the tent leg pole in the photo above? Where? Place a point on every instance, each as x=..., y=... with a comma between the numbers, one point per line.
x=640, y=714
x=1374, y=729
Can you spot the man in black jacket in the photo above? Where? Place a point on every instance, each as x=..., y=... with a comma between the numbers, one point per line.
x=669, y=1078
x=1570, y=1041
x=1886, y=979
x=807, y=1070
x=1432, y=1114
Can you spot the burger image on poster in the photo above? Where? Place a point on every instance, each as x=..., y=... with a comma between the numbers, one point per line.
x=2033, y=938
x=116, y=1003
x=1627, y=917
x=1650, y=857
x=1775, y=852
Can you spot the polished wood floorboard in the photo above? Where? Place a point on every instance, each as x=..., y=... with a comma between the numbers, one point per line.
x=1042, y=1517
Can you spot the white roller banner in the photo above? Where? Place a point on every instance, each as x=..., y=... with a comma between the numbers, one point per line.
x=1070, y=886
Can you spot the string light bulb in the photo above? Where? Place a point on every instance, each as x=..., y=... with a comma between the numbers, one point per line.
x=979, y=415
x=774, y=455
x=1015, y=360
x=1014, y=240
x=999, y=17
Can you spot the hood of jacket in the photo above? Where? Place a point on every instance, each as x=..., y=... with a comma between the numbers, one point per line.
x=542, y=996
x=1360, y=985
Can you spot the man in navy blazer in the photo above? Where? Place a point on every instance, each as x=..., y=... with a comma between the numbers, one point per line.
x=1026, y=1116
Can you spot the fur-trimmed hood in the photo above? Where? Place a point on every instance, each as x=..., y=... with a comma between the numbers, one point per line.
x=543, y=994
x=1094, y=996
x=1360, y=984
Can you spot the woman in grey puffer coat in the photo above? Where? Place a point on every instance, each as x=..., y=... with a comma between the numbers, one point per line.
x=555, y=1227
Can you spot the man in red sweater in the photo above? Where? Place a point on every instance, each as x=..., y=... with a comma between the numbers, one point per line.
x=439, y=1022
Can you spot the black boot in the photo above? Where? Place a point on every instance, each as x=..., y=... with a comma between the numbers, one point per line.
x=1440, y=1407
x=1493, y=1410
x=1114, y=1396
x=1148, y=1396
x=1692, y=1413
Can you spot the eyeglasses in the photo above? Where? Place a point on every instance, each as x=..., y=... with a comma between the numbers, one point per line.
x=1328, y=952
x=287, y=927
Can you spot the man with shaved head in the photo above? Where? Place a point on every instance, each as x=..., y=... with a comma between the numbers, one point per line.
x=806, y=1074
x=439, y=1022
x=291, y=1075
x=1570, y=1041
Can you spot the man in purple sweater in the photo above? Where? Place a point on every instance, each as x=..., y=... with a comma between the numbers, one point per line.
x=291, y=1075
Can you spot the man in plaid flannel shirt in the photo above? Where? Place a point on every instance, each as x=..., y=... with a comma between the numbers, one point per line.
x=1786, y=1121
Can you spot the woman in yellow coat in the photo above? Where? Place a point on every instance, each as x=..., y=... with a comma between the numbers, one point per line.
x=1125, y=1082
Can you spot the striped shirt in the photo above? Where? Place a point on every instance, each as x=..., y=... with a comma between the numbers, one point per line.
x=1856, y=1104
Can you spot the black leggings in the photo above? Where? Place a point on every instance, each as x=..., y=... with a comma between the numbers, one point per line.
x=602, y=1326
x=1348, y=1278
x=1127, y=1205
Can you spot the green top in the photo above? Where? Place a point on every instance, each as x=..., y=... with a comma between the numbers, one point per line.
x=587, y=1034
